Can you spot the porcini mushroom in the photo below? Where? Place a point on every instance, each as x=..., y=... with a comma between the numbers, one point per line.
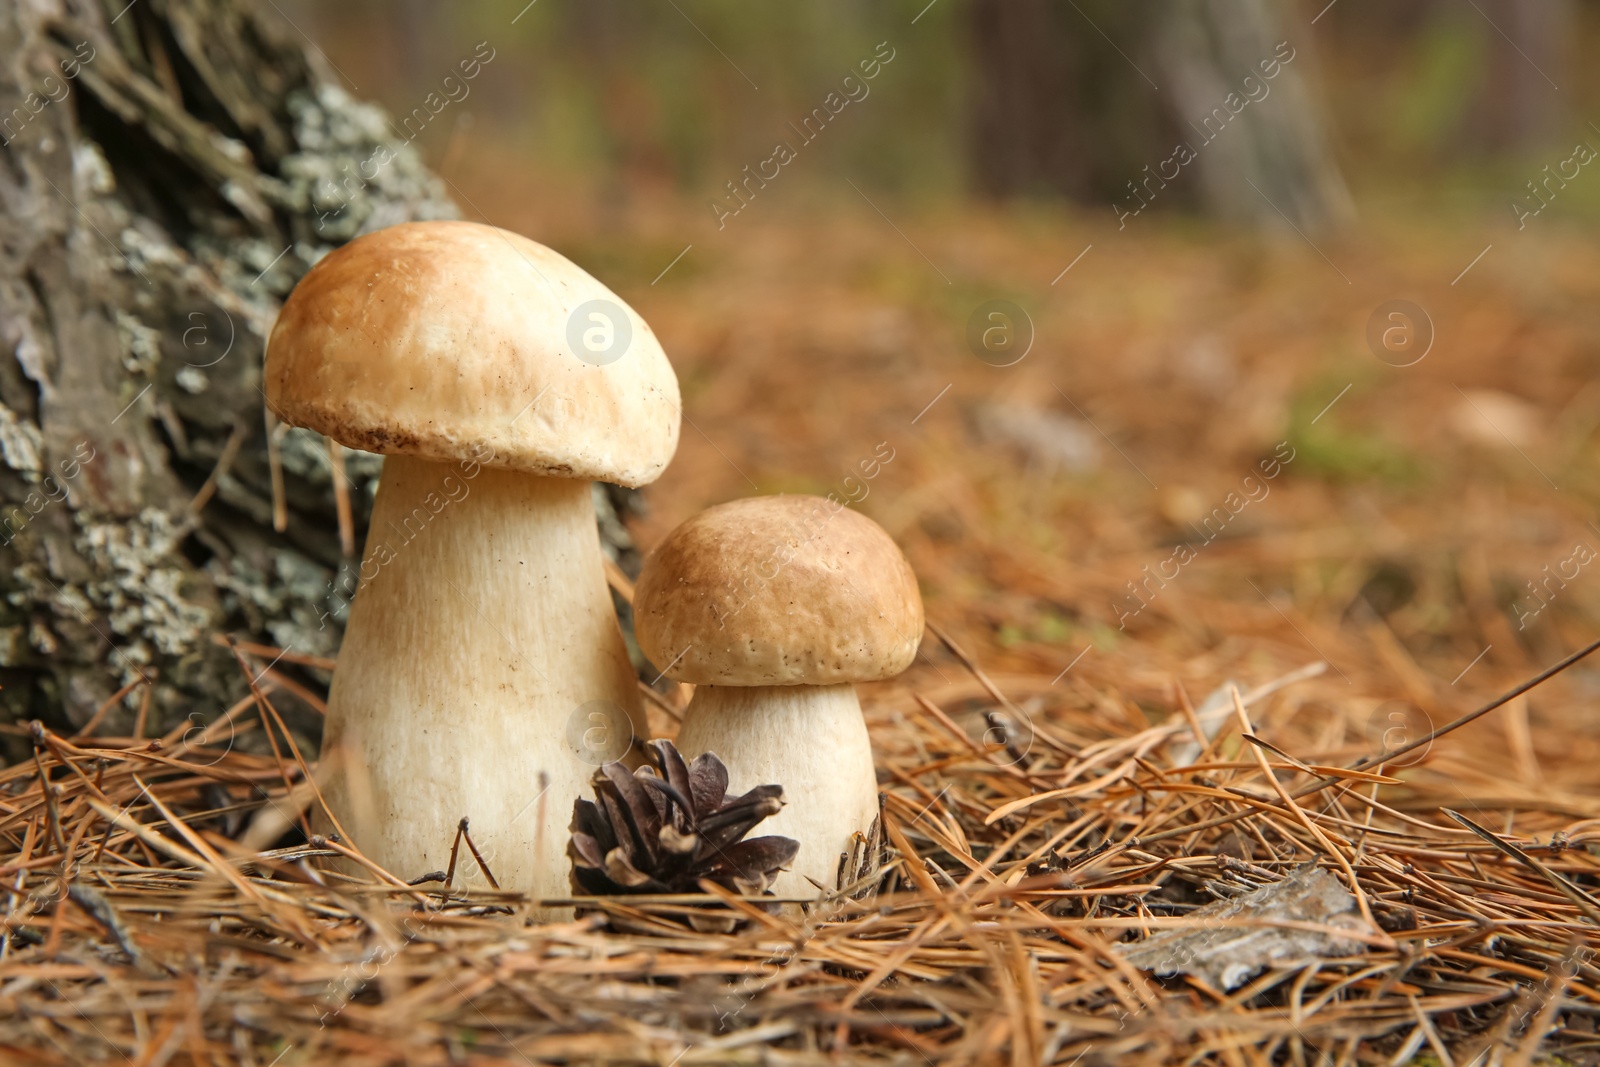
x=774, y=607
x=482, y=632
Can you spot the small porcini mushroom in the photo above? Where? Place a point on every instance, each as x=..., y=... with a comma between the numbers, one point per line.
x=482, y=626
x=774, y=607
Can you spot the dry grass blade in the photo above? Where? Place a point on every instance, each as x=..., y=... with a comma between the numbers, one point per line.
x=1586, y=903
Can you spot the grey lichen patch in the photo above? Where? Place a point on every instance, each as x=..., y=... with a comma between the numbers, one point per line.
x=140, y=584
x=42, y=640
x=614, y=536
x=141, y=345
x=20, y=444
x=192, y=380
x=91, y=174
x=142, y=252
x=32, y=586
x=252, y=263
x=315, y=614
x=294, y=603
x=353, y=173
x=304, y=453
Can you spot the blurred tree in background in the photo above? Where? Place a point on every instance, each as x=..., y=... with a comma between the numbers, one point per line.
x=1216, y=88
x=1054, y=108
x=1038, y=99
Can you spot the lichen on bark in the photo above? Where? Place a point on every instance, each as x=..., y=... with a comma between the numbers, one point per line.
x=199, y=163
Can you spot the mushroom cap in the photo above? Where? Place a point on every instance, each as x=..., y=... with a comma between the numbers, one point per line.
x=455, y=340
x=778, y=590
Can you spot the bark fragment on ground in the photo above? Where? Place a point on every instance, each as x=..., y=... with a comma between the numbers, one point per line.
x=1229, y=941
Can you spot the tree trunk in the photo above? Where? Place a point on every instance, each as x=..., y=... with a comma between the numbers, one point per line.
x=1055, y=107
x=171, y=168
x=1243, y=91
x=1518, y=105
x=1090, y=100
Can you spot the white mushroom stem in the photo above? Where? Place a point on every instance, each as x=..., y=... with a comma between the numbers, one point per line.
x=810, y=739
x=481, y=627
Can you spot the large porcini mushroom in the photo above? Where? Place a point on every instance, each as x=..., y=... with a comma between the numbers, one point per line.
x=774, y=607
x=482, y=653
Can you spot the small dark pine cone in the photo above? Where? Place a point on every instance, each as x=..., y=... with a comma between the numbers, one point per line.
x=664, y=832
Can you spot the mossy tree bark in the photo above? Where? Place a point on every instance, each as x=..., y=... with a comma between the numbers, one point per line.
x=170, y=168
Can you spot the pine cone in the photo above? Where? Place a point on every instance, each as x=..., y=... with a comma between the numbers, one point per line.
x=663, y=833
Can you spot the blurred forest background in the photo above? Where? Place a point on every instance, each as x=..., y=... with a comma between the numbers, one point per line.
x=1435, y=106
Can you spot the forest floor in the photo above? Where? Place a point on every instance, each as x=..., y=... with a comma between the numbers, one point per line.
x=1199, y=414
x=1429, y=539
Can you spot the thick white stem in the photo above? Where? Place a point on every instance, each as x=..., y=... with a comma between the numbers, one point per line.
x=480, y=647
x=810, y=739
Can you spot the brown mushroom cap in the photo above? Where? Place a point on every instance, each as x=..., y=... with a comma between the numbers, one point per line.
x=450, y=340
x=778, y=590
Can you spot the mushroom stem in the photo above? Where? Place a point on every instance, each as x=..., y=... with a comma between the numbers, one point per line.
x=481, y=630
x=810, y=739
